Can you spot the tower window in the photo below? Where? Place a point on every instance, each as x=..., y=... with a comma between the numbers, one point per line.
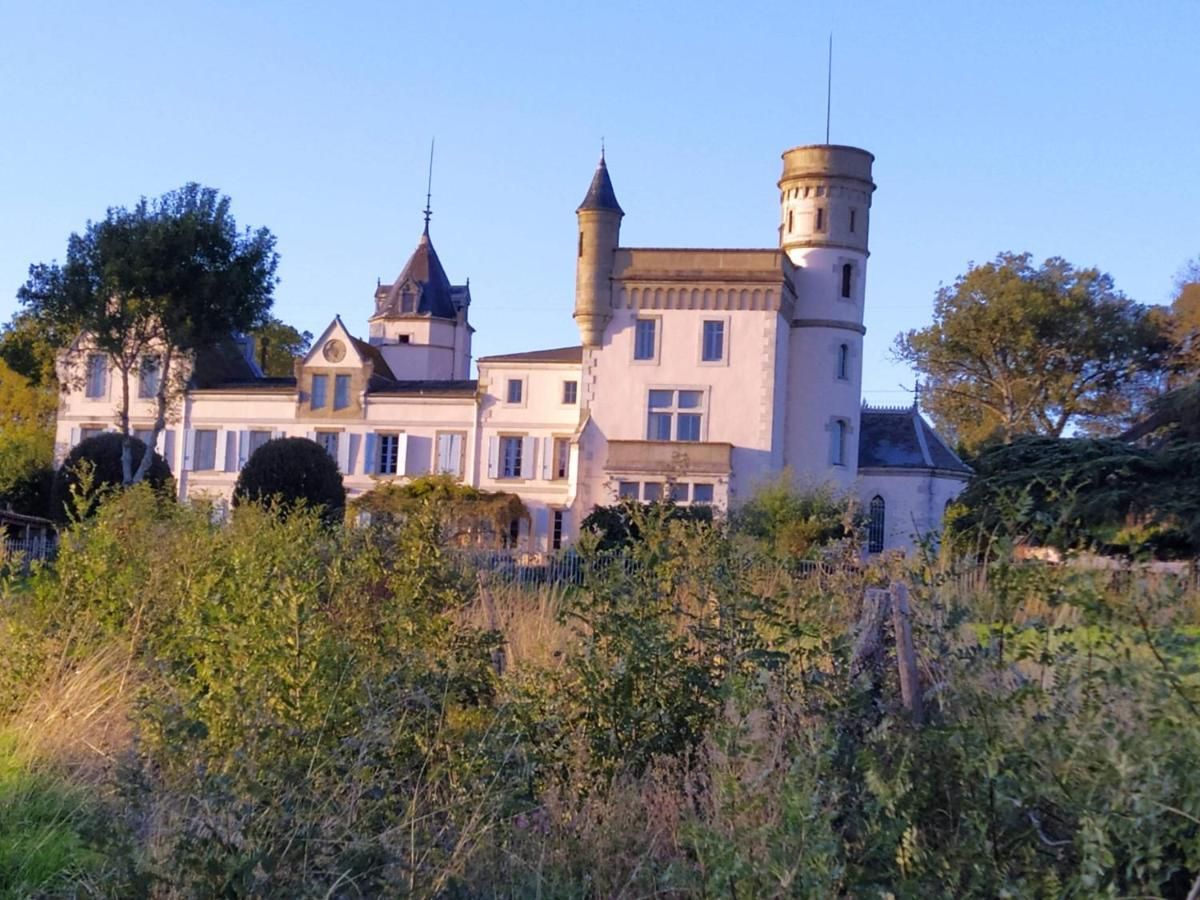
x=852, y=212
x=675, y=415
x=645, y=341
x=581, y=245
x=712, y=347
x=405, y=338
x=820, y=218
x=570, y=393
x=843, y=360
x=847, y=276
x=407, y=304
x=790, y=222
x=839, y=443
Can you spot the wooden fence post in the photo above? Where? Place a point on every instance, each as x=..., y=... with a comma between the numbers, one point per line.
x=906, y=656
x=868, y=643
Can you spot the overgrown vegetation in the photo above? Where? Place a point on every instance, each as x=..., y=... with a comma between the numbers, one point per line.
x=468, y=516
x=271, y=707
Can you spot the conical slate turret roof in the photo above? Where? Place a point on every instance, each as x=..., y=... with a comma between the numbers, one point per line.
x=601, y=194
x=424, y=277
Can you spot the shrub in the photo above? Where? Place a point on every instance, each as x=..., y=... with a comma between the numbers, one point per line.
x=103, y=452
x=618, y=526
x=794, y=522
x=467, y=514
x=293, y=471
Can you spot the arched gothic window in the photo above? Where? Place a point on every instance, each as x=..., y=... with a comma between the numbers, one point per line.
x=843, y=361
x=839, y=442
x=875, y=526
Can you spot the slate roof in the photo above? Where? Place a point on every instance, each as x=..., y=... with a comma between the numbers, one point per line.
x=424, y=275
x=600, y=194
x=902, y=439
x=223, y=362
x=373, y=353
x=557, y=355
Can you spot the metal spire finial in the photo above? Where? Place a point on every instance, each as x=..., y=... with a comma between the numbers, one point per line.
x=829, y=88
x=601, y=148
x=429, y=187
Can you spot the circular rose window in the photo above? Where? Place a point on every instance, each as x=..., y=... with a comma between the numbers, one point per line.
x=334, y=350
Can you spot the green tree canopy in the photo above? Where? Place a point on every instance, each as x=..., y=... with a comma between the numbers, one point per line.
x=1016, y=348
x=293, y=471
x=26, y=440
x=156, y=282
x=279, y=345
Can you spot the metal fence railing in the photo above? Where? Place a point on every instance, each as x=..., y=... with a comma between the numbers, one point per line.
x=523, y=568
x=24, y=552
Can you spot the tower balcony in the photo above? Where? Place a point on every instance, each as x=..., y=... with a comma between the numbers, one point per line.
x=678, y=458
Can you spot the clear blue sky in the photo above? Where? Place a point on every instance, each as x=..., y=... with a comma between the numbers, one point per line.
x=1060, y=128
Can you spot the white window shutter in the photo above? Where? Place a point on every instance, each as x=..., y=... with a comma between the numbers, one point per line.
x=311, y=435
x=369, y=454
x=402, y=453
x=493, y=456
x=547, y=458
x=527, y=450
x=220, y=463
x=189, y=448
x=343, y=453
x=456, y=454
x=75, y=433
x=160, y=443
x=168, y=446
x=243, y=448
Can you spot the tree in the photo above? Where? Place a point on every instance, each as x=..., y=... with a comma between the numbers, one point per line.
x=104, y=456
x=1184, y=325
x=148, y=286
x=291, y=471
x=279, y=345
x=26, y=441
x=1021, y=349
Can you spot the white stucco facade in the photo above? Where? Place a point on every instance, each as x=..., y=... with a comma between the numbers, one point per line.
x=701, y=373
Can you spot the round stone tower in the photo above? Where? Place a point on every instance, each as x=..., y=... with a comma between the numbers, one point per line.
x=599, y=234
x=825, y=202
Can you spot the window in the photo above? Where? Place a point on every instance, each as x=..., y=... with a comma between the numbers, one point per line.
x=556, y=530
x=852, y=212
x=320, y=387
x=875, y=526
x=628, y=490
x=712, y=345
x=450, y=453
x=562, y=458
x=89, y=432
x=791, y=221
x=255, y=440
x=341, y=391
x=839, y=442
x=847, y=278
x=405, y=338
x=144, y=435
x=645, y=339
x=97, y=375
x=148, y=377
x=679, y=492
x=329, y=442
x=702, y=493
x=581, y=245
x=820, y=217
x=652, y=491
x=388, y=459
x=204, y=450
x=674, y=415
x=570, y=393
x=514, y=532
x=514, y=390
x=510, y=457
x=843, y=361
x=407, y=302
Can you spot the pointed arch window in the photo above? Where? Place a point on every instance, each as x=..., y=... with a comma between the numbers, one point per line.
x=839, y=442
x=877, y=510
x=843, y=362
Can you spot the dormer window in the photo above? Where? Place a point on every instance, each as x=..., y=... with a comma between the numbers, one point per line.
x=407, y=302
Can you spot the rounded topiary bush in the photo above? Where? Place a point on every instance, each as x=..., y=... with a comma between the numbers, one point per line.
x=291, y=471
x=103, y=451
